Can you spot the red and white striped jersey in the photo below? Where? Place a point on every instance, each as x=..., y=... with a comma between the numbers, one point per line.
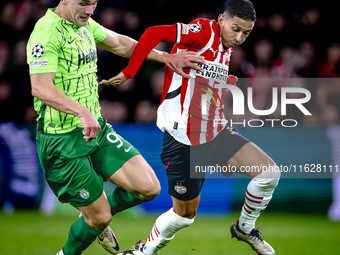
x=189, y=106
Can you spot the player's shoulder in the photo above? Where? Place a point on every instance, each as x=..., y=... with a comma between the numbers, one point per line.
x=96, y=30
x=49, y=25
x=47, y=22
x=201, y=24
x=93, y=25
x=202, y=21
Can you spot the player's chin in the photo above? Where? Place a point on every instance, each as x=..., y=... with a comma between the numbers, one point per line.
x=227, y=44
x=82, y=21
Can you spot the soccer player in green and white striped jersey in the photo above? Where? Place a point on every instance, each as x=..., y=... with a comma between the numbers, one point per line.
x=77, y=149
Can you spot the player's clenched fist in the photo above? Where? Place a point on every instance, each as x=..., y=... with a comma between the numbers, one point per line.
x=90, y=124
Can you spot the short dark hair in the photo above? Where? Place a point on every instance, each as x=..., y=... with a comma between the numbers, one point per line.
x=243, y=9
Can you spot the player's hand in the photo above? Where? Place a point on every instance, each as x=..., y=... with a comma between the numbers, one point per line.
x=90, y=124
x=231, y=80
x=115, y=81
x=185, y=59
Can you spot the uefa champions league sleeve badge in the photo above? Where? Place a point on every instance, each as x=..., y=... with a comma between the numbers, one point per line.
x=38, y=51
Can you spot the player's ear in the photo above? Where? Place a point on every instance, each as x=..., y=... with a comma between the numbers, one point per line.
x=64, y=2
x=220, y=19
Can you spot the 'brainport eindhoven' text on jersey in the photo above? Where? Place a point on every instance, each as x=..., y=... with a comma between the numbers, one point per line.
x=61, y=47
x=180, y=111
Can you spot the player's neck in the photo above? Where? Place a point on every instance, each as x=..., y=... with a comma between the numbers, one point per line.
x=61, y=12
x=224, y=47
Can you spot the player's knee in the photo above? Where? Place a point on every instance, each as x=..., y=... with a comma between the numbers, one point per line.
x=270, y=182
x=150, y=191
x=101, y=221
x=270, y=178
x=189, y=213
x=105, y=219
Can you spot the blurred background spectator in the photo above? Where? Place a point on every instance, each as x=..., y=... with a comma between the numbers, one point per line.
x=290, y=39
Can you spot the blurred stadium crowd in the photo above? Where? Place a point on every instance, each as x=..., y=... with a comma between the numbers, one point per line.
x=291, y=39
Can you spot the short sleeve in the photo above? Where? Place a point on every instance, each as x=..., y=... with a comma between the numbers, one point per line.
x=99, y=32
x=42, y=51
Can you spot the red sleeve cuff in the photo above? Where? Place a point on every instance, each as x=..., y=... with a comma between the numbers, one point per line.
x=126, y=75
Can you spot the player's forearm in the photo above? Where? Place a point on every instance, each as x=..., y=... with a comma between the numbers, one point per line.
x=56, y=99
x=128, y=48
x=127, y=45
x=157, y=56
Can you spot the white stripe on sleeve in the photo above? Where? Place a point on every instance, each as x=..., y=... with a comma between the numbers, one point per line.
x=178, y=39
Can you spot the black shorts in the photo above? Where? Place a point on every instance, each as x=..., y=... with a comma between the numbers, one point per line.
x=179, y=159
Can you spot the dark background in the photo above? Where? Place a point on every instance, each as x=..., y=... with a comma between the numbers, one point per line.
x=293, y=38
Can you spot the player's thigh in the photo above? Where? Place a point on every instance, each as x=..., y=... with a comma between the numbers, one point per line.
x=176, y=158
x=223, y=147
x=250, y=160
x=120, y=163
x=68, y=168
x=137, y=176
x=74, y=181
x=112, y=153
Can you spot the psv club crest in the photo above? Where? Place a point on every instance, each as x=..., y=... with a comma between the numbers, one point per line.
x=180, y=189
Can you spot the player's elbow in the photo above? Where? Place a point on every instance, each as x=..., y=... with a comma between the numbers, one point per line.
x=35, y=91
x=40, y=93
x=149, y=30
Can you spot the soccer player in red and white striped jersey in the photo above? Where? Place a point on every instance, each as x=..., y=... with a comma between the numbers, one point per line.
x=189, y=106
x=182, y=96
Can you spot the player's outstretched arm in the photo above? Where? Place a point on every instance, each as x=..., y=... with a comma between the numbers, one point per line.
x=144, y=50
x=176, y=62
x=150, y=39
x=44, y=89
x=118, y=44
